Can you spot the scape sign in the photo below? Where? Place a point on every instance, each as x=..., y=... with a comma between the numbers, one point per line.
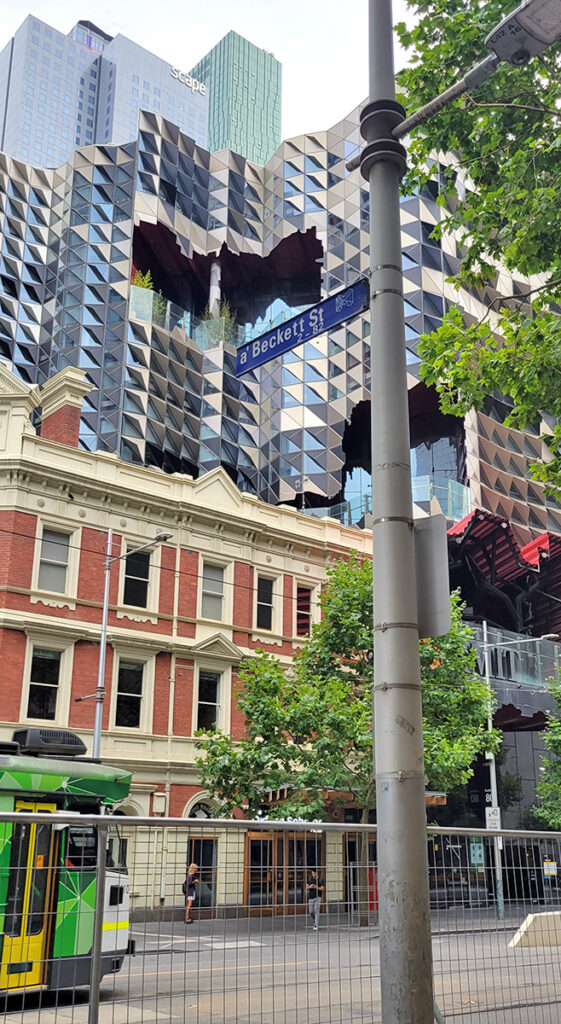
x=341, y=306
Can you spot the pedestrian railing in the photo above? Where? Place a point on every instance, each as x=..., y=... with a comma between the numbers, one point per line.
x=278, y=924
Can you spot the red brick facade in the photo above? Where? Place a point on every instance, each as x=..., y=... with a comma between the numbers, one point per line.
x=52, y=592
x=62, y=425
x=175, y=610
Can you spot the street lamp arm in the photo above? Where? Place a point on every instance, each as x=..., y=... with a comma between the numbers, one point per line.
x=515, y=643
x=160, y=538
x=478, y=74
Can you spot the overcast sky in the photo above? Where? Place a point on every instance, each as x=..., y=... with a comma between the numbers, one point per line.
x=321, y=44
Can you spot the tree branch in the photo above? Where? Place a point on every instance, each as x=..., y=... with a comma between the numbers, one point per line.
x=513, y=106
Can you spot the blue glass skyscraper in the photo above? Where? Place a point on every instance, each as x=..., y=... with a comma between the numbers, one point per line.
x=244, y=85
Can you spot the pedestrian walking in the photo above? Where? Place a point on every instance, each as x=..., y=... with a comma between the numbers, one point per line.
x=189, y=889
x=315, y=889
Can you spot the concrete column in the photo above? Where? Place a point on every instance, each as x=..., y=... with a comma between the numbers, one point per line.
x=214, y=294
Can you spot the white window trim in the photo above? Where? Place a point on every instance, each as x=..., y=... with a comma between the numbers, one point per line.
x=54, y=598
x=130, y=653
x=138, y=613
x=66, y=648
x=223, y=718
x=227, y=593
x=315, y=615
x=277, y=606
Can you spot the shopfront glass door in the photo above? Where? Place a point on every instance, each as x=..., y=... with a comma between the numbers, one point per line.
x=277, y=869
x=260, y=870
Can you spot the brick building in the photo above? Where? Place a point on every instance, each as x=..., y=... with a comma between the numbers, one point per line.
x=236, y=574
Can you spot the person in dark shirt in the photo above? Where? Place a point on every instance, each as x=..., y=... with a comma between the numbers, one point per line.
x=315, y=890
x=189, y=889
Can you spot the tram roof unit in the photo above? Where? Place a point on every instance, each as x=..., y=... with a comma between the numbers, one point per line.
x=36, y=764
x=99, y=783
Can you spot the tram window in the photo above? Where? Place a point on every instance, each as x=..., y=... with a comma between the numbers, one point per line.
x=39, y=880
x=15, y=896
x=116, y=849
x=81, y=849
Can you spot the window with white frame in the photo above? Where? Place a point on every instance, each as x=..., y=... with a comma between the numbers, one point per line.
x=208, y=704
x=264, y=616
x=137, y=575
x=53, y=561
x=212, y=591
x=128, y=704
x=44, y=681
x=303, y=610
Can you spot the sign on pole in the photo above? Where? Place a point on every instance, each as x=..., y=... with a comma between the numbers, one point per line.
x=476, y=852
x=341, y=306
x=493, y=817
x=550, y=868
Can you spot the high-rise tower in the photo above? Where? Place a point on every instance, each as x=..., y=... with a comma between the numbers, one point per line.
x=244, y=85
x=59, y=92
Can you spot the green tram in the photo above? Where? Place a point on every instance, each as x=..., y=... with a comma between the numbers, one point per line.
x=48, y=873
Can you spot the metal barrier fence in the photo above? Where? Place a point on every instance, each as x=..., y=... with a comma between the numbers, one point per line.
x=283, y=922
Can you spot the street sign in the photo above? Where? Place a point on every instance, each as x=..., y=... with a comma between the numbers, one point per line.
x=492, y=817
x=476, y=852
x=341, y=306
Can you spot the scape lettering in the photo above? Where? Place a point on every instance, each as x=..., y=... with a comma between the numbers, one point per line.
x=186, y=79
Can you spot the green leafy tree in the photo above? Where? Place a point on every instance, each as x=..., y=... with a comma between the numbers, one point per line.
x=548, y=811
x=505, y=141
x=309, y=728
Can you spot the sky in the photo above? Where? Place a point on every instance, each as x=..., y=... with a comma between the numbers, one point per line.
x=321, y=44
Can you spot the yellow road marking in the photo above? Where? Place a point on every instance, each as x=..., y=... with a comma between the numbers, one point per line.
x=234, y=967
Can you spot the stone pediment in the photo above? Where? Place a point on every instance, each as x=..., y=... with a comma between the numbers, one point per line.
x=215, y=489
x=17, y=402
x=13, y=388
x=219, y=646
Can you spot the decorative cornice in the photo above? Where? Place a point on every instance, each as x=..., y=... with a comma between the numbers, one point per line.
x=66, y=388
x=102, y=483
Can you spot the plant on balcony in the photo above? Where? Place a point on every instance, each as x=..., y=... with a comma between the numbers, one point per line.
x=159, y=308
x=140, y=280
x=226, y=327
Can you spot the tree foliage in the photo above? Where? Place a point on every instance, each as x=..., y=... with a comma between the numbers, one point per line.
x=548, y=812
x=309, y=728
x=505, y=141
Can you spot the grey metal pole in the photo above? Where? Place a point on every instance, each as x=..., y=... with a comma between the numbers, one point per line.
x=497, y=843
x=97, y=938
x=405, y=935
x=100, y=688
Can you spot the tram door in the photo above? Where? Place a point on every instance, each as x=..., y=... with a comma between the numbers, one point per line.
x=28, y=901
